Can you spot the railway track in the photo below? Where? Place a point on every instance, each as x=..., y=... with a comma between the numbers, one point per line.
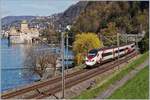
x=33, y=87
x=54, y=85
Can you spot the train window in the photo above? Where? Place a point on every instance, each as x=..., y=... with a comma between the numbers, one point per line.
x=132, y=46
x=106, y=54
x=116, y=51
x=121, y=50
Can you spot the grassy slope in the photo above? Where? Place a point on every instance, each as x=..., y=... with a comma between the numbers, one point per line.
x=137, y=88
x=92, y=93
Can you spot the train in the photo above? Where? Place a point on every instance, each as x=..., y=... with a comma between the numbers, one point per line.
x=101, y=55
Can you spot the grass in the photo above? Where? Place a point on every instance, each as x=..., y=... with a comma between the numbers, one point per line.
x=92, y=93
x=137, y=88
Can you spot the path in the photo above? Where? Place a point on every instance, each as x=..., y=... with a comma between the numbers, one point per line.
x=121, y=82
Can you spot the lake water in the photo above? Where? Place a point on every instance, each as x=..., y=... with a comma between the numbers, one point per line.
x=13, y=73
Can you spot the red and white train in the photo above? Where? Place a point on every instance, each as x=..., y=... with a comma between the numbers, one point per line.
x=97, y=56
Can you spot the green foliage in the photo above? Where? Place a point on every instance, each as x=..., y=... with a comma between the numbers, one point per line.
x=83, y=43
x=110, y=33
x=144, y=43
x=92, y=93
x=134, y=8
x=137, y=88
x=142, y=20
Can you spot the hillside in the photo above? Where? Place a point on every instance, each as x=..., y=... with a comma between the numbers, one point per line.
x=40, y=21
x=69, y=16
x=108, y=18
x=7, y=21
x=10, y=19
x=96, y=15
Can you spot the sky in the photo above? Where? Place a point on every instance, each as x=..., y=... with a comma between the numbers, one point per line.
x=34, y=7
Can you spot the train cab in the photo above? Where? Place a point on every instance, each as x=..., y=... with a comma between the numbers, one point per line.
x=91, y=57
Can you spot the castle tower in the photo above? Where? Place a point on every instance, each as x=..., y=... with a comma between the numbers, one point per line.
x=24, y=26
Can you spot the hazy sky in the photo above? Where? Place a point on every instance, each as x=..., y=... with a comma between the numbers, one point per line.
x=34, y=7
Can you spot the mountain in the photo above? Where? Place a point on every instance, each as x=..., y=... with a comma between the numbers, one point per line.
x=9, y=19
x=68, y=16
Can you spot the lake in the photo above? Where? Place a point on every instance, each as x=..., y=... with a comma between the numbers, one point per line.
x=13, y=72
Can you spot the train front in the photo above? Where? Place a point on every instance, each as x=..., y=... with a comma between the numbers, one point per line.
x=90, y=60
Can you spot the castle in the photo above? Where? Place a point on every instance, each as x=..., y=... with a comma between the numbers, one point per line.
x=24, y=34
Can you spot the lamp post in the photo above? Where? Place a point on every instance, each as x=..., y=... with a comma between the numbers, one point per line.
x=68, y=28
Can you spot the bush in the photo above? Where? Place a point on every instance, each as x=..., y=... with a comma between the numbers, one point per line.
x=83, y=43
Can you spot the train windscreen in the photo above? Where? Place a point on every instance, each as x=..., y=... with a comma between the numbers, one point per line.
x=92, y=52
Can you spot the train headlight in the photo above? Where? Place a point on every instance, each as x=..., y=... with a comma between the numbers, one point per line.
x=93, y=60
x=86, y=59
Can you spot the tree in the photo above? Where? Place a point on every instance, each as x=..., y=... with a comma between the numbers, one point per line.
x=38, y=61
x=144, y=43
x=142, y=21
x=83, y=43
x=110, y=34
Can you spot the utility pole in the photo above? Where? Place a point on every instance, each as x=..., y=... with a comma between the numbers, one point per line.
x=67, y=51
x=62, y=57
x=67, y=44
x=126, y=38
x=136, y=41
x=118, y=43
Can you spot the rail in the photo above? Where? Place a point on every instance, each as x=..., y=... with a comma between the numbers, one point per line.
x=54, y=85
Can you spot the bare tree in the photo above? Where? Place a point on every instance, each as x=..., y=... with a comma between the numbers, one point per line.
x=38, y=61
